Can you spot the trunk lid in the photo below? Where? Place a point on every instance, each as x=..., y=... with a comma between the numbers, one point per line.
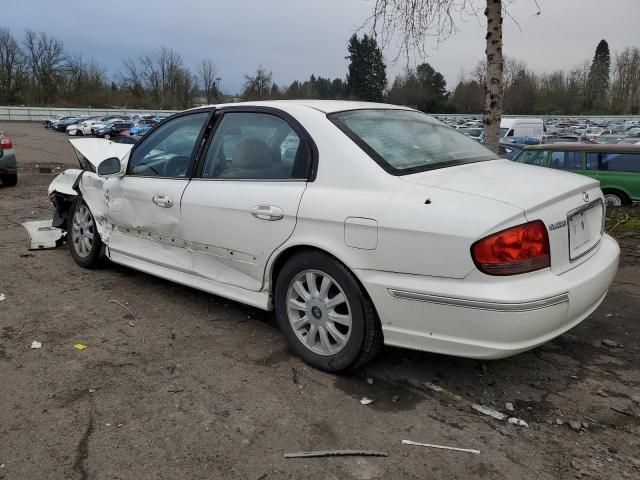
x=570, y=205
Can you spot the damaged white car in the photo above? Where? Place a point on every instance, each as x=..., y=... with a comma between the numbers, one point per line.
x=359, y=224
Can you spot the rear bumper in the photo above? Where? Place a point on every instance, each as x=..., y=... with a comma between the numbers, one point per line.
x=489, y=317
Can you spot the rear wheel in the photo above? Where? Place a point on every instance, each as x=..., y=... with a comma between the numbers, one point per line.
x=614, y=198
x=86, y=246
x=325, y=315
x=9, y=180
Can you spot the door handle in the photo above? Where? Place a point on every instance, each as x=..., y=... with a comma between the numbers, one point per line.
x=267, y=212
x=163, y=201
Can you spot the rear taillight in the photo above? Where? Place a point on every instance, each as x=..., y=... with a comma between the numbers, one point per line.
x=6, y=144
x=520, y=249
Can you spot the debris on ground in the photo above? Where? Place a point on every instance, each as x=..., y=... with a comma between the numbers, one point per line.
x=509, y=406
x=370, y=381
x=442, y=447
x=43, y=235
x=610, y=343
x=2, y=297
x=489, y=411
x=518, y=421
x=395, y=398
x=367, y=401
x=79, y=346
x=335, y=453
x=294, y=372
x=575, y=425
x=137, y=322
x=36, y=344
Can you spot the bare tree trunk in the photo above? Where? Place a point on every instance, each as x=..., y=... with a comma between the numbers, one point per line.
x=493, y=86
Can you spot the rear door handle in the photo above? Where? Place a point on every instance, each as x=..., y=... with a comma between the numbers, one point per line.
x=163, y=201
x=267, y=212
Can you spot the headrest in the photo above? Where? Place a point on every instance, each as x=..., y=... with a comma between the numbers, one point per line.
x=252, y=153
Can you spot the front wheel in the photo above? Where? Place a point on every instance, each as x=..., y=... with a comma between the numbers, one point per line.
x=324, y=314
x=86, y=246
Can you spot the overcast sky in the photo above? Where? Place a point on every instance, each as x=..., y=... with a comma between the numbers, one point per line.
x=295, y=38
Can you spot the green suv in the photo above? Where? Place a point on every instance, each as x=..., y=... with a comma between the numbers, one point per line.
x=617, y=167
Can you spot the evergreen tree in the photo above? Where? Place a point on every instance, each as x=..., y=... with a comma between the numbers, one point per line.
x=598, y=82
x=367, y=76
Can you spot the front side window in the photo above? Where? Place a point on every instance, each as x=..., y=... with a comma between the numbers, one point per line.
x=168, y=150
x=404, y=141
x=256, y=146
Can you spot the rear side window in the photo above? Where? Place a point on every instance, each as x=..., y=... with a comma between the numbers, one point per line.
x=592, y=161
x=620, y=162
x=404, y=142
x=566, y=160
x=256, y=146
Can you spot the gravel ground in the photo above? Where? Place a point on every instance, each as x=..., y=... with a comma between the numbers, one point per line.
x=189, y=385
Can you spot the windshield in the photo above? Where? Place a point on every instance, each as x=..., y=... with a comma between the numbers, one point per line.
x=503, y=132
x=405, y=141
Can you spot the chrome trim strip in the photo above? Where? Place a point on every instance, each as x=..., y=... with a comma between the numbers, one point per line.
x=479, y=304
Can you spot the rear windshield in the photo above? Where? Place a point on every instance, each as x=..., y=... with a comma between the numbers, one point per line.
x=404, y=141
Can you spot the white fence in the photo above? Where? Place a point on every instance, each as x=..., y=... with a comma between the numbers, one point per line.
x=37, y=114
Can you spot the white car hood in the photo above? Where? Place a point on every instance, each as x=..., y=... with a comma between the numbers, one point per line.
x=517, y=184
x=95, y=150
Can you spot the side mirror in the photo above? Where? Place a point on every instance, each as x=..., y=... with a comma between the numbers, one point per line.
x=111, y=167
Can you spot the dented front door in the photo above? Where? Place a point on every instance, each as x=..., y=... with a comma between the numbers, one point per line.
x=146, y=220
x=143, y=206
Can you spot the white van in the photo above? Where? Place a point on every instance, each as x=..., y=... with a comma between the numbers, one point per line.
x=521, y=127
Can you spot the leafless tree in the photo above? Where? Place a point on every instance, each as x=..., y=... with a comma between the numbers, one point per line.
x=11, y=67
x=625, y=88
x=258, y=86
x=208, y=73
x=412, y=22
x=44, y=56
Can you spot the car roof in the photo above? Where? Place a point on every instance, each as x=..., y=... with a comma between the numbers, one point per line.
x=586, y=147
x=325, y=106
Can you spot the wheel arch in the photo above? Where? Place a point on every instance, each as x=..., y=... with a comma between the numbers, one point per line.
x=626, y=198
x=280, y=259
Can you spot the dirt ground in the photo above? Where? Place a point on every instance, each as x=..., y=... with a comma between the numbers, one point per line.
x=194, y=386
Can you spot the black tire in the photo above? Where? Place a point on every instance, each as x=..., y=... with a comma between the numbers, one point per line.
x=615, y=198
x=9, y=180
x=93, y=256
x=365, y=339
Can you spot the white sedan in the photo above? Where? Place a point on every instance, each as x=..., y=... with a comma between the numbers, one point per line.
x=359, y=224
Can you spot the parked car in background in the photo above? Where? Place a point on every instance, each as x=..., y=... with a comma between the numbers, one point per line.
x=83, y=128
x=472, y=132
x=443, y=247
x=523, y=140
x=8, y=164
x=46, y=123
x=142, y=128
x=61, y=126
x=111, y=130
x=617, y=167
x=509, y=150
x=128, y=140
x=522, y=127
x=608, y=139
